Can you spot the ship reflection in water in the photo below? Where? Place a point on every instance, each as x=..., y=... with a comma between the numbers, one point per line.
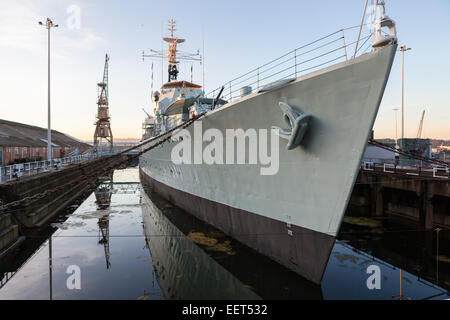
x=154, y=250
x=194, y=260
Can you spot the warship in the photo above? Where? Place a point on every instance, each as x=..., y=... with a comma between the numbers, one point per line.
x=274, y=154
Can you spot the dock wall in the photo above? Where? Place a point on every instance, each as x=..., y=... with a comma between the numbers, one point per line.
x=36, y=213
x=424, y=200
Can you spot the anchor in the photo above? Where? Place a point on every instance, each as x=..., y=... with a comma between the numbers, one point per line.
x=298, y=124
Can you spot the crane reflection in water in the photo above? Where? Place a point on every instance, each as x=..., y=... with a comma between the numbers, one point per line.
x=103, y=195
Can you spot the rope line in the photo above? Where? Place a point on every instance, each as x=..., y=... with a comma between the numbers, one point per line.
x=408, y=154
x=88, y=178
x=186, y=236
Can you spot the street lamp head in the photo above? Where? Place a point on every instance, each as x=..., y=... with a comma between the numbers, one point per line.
x=403, y=48
x=48, y=24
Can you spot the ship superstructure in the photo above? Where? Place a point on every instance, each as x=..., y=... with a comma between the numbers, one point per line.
x=177, y=100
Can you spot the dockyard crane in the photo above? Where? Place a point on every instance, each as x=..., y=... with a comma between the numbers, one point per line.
x=416, y=149
x=103, y=124
x=419, y=132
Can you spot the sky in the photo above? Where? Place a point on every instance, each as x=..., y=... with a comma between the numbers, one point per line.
x=237, y=36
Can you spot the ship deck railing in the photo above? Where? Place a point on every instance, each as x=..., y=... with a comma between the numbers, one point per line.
x=331, y=49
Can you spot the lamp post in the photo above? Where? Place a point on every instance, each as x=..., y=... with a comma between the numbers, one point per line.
x=396, y=121
x=403, y=49
x=48, y=25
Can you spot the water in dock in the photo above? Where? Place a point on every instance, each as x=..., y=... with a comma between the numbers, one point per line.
x=125, y=242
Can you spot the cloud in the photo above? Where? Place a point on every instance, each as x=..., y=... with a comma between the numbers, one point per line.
x=19, y=29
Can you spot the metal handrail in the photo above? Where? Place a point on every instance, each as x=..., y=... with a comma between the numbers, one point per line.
x=298, y=64
x=405, y=170
x=37, y=167
x=313, y=55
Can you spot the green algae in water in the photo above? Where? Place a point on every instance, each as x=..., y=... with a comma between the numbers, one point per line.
x=363, y=222
x=211, y=243
x=444, y=259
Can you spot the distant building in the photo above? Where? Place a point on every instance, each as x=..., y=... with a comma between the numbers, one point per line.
x=22, y=143
x=378, y=155
x=441, y=155
x=389, y=142
x=419, y=147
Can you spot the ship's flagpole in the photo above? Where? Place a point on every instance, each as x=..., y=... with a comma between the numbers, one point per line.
x=203, y=57
x=191, y=72
x=360, y=27
x=162, y=54
x=152, y=80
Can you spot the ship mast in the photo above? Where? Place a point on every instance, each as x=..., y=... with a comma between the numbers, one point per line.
x=172, y=53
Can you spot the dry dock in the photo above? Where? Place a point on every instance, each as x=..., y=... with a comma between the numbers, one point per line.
x=38, y=210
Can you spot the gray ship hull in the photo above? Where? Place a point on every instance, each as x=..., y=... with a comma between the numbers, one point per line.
x=294, y=215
